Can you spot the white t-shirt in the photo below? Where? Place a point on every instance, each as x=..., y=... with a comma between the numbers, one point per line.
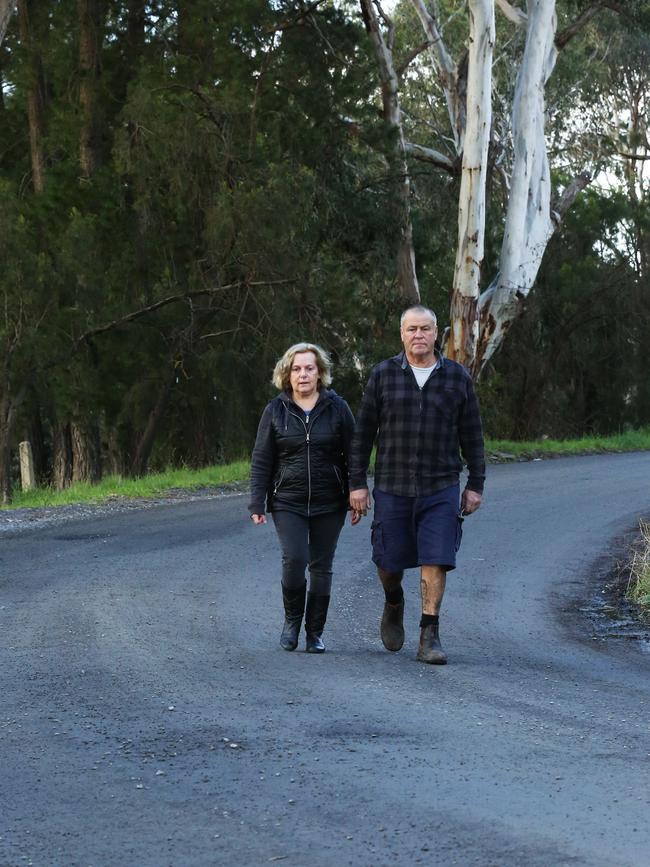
x=423, y=373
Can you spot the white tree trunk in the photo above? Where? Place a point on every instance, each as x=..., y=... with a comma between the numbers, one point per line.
x=6, y=11
x=528, y=226
x=462, y=336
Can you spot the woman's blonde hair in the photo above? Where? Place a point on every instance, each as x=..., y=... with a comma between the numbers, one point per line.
x=282, y=372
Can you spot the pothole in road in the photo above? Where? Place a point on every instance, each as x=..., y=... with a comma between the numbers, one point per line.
x=613, y=617
x=611, y=613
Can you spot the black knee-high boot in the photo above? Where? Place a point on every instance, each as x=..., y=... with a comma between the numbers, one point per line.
x=294, y=608
x=315, y=617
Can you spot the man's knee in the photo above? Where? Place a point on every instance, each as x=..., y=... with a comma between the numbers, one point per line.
x=389, y=577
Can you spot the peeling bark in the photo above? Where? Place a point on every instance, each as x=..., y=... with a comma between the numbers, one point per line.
x=462, y=336
x=528, y=226
x=86, y=452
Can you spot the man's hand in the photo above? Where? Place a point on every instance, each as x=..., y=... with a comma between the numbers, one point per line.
x=360, y=502
x=470, y=501
x=258, y=519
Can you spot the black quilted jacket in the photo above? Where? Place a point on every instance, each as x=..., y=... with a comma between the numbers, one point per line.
x=298, y=465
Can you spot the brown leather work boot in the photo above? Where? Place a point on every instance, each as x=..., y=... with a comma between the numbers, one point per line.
x=392, y=626
x=430, y=649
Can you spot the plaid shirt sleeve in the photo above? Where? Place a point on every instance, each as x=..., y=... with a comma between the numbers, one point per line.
x=470, y=435
x=365, y=431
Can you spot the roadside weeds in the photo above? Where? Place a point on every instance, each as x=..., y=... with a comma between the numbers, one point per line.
x=638, y=572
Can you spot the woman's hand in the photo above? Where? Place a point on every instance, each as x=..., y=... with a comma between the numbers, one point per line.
x=258, y=519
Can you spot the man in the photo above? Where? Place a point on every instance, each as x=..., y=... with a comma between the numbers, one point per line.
x=421, y=409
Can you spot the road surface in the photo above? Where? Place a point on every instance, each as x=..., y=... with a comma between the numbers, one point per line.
x=148, y=716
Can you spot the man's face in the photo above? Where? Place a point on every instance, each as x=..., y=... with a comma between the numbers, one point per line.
x=418, y=333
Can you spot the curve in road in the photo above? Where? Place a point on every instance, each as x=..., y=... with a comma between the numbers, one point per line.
x=149, y=716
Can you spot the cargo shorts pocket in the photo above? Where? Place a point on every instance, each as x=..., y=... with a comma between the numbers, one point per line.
x=459, y=531
x=377, y=540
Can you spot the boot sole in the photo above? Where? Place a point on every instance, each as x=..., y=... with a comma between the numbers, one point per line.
x=438, y=661
x=392, y=643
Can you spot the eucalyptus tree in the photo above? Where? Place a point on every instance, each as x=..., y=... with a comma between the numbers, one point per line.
x=495, y=140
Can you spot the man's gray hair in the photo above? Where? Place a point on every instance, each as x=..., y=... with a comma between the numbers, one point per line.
x=418, y=308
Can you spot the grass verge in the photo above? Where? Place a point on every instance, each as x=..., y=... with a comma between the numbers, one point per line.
x=148, y=487
x=161, y=484
x=630, y=441
x=638, y=585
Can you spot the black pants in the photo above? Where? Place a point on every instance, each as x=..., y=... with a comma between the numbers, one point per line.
x=308, y=542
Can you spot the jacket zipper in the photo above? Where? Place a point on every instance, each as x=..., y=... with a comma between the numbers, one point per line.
x=279, y=482
x=302, y=421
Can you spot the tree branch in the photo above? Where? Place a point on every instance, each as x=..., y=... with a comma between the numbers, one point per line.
x=152, y=308
x=512, y=13
x=584, y=18
x=300, y=15
x=519, y=17
x=568, y=197
x=429, y=155
x=410, y=57
x=633, y=156
x=576, y=26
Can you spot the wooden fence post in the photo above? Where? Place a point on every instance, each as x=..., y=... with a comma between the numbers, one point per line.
x=27, y=477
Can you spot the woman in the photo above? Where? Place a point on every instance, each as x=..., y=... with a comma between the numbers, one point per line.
x=299, y=474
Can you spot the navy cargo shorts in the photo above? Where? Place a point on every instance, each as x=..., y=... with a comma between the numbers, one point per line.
x=416, y=531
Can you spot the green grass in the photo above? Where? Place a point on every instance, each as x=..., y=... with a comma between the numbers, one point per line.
x=148, y=487
x=158, y=484
x=638, y=588
x=631, y=441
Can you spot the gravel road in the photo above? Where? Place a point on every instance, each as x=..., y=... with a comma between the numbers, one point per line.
x=149, y=718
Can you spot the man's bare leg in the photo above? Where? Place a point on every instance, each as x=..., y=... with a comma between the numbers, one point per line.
x=433, y=580
x=392, y=621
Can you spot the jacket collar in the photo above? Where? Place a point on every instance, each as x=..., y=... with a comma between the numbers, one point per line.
x=325, y=395
x=403, y=361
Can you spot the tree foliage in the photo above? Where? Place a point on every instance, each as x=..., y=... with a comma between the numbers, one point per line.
x=186, y=188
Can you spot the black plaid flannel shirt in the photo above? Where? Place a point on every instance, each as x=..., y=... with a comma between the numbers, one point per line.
x=419, y=431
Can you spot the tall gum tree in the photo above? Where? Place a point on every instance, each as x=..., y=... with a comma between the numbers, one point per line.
x=479, y=321
x=463, y=330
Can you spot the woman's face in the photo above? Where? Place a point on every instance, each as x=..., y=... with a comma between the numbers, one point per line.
x=304, y=374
